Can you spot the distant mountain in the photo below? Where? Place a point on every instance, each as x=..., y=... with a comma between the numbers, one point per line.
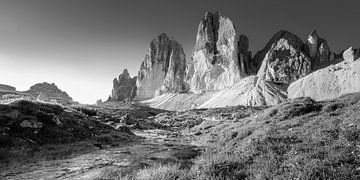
x=4, y=87
x=222, y=71
x=49, y=92
x=45, y=92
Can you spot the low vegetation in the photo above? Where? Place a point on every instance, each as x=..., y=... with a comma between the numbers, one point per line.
x=298, y=139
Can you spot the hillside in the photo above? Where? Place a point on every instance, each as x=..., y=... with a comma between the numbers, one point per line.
x=298, y=139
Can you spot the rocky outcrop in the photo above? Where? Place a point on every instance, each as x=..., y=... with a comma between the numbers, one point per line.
x=283, y=60
x=163, y=69
x=330, y=82
x=214, y=64
x=49, y=93
x=318, y=51
x=123, y=87
x=244, y=56
x=351, y=54
x=4, y=87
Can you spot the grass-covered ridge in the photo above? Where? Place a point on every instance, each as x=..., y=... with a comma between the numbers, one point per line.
x=298, y=139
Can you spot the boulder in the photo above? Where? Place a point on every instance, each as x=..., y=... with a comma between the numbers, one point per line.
x=163, y=69
x=214, y=64
x=123, y=86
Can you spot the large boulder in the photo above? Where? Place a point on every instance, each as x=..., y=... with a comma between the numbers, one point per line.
x=163, y=69
x=318, y=51
x=283, y=60
x=49, y=92
x=123, y=86
x=328, y=83
x=214, y=64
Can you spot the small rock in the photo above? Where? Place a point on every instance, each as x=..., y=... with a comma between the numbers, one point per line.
x=31, y=124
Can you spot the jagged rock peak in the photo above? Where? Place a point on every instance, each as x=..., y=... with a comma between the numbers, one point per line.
x=123, y=87
x=244, y=56
x=319, y=51
x=294, y=40
x=214, y=64
x=49, y=92
x=283, y=60
x=163, y=69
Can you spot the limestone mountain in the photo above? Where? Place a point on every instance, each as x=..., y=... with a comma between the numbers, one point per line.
x=124, y=87
x=163, y=69
x=214, y=64
x=283, y=60
x=49, y=92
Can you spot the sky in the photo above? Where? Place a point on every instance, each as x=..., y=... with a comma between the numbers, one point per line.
x=82, y=45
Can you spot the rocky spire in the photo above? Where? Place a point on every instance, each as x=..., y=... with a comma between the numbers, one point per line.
x=214, y=64
x=244, y=56
x=122, y=86
x=163, y=69
x=318, y=51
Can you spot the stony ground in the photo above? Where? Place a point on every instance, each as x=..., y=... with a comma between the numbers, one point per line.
x=298, y=139
x=157, y=146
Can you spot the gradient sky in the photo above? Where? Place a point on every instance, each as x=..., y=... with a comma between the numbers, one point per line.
x=81, y=45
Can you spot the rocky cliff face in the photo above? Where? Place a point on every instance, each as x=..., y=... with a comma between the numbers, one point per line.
x=283, y=60
x=4, y=87
x=244, y=55
x=214, y=64
x=49, y=92
x=124, y=87
x=163, y=69
x=318, y=51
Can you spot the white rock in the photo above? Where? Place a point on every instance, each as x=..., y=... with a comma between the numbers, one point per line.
x=328, y=83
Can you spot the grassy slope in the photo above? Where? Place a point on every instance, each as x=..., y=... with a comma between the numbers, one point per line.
x=299, y=139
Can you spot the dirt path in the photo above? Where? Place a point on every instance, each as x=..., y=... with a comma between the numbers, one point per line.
x=158, y=146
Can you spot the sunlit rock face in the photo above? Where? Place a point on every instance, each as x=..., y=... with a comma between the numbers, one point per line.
x=214, y=64
x=318, y=51
x=49, y=92
x=283, y=59
x=163, y=69
x=330, y=82
x=123, y=87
